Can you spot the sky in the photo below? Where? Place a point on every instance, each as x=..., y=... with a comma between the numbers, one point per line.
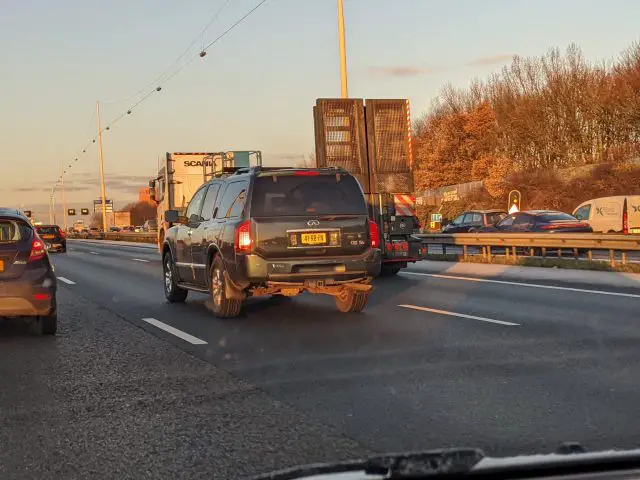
x=255, y=88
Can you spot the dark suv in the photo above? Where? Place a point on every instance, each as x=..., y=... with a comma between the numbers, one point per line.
x=273, y=231
x=27, y=282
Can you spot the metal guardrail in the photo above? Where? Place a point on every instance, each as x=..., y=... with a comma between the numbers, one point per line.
x=530, y=244
x=140, y=237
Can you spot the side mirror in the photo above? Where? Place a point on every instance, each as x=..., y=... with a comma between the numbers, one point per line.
x=152, y=184
x=173, y=216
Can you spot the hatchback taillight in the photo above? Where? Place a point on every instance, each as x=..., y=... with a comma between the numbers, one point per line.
x=61, y=232
x=374, y=233
x=37, y=250
x=243, y=241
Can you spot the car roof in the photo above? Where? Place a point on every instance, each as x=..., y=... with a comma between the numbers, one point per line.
x=491, y=210
x=48, y=225
x=12, y=212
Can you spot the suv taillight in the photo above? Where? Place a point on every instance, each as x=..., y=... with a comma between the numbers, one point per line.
x=243, y=238
x=374, y=233
x=61, y=232
x=37, y=250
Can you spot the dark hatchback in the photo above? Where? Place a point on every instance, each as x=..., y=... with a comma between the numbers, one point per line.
x=53, y=237
x=539, y=221
x=473, y=220
x=27, y=281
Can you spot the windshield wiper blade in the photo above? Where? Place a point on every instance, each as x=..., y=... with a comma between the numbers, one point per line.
x=393, y=465
x=420, y=464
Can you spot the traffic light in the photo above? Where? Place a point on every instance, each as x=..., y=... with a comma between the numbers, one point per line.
x=71, y=211
x=84, y=211
x=515, y=199
x=27, y=213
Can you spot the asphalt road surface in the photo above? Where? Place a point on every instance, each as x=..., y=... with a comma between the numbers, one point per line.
x=135, y=387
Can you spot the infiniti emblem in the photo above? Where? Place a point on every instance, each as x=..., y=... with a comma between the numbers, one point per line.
x=313, y=223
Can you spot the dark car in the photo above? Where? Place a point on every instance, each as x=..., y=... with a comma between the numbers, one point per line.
x=539, y=221
x=273, y=231
x=473, y=220
x=27, y=282
x=53, y=236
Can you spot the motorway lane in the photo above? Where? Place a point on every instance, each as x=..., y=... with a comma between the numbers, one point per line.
x=105, y=399
x=395, y=378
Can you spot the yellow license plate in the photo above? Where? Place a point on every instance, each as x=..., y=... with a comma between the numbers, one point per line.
x=1, y=265
x=47, y=237
x=314, y=238
x=635, y=230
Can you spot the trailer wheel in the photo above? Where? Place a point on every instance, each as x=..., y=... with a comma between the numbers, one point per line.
x=351, y=301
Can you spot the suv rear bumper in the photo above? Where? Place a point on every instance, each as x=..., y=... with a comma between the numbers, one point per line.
x=255, y=269
x=18, y=298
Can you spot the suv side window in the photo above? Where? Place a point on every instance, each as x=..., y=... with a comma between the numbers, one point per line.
x=523, y=222
x=195, y=205
x=231, y=203
x=210, y=201
x=467, y=219
x=476, y=220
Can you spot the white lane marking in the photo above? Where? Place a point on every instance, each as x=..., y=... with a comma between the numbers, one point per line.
x=66, y=280
x=140, y=260
x=174, y=331
x=94, y=253
x=520, y=284
x=461, y=315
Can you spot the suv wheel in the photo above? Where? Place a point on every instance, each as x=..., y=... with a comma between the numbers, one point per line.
x=172, y=292
x=388, y=271
x=48, y=324
x=351, y=301
x=219, y=303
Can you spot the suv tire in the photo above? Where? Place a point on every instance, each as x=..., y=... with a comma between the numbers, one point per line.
x=172, y=292
x=351, y=301
x=219, y=304
x=388, y=271
x=48, y=324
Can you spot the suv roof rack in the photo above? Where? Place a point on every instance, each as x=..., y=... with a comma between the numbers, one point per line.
x=258, y=169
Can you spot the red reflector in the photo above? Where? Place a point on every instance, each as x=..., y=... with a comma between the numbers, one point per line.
x=243, y=241
x=374, y=233
x=41, y=296
x=389, y=247
x=306, y=173
x=37, y=250
x=625, y=223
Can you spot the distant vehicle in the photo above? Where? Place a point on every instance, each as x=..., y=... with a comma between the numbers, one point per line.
x=94, y=231
x=273, y=232
x=139, y=229
x=114, y=229
x=26, y=274
x=53, y=237
x=619, y=214
x=182, y=173
x=128, y=228
x=539, y=221
x=473, y=220
x=150, y=226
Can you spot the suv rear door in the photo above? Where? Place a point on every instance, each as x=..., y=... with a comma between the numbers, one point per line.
x=308, y=213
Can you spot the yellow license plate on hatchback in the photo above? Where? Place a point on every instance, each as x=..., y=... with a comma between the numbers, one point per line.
x=313, y=238
x=1, y=265
x=47, y=237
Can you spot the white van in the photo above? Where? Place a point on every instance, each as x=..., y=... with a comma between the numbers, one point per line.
x=607, y=214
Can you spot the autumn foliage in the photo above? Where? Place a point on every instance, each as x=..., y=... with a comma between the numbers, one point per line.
x=531, y=124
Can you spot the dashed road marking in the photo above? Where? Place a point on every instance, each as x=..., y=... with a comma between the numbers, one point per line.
x=94, y=253
x=174, y=331
x=140, y=260
x=520, y=284
x=66, y=280
x=461, y=315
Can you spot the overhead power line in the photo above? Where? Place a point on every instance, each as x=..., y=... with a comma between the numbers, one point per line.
x=161, y=80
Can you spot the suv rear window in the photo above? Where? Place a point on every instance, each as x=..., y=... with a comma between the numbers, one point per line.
x=12, y=231
x=47, y=230
x=307, y=195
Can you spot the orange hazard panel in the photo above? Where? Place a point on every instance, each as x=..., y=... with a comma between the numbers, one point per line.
x=405, y=205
